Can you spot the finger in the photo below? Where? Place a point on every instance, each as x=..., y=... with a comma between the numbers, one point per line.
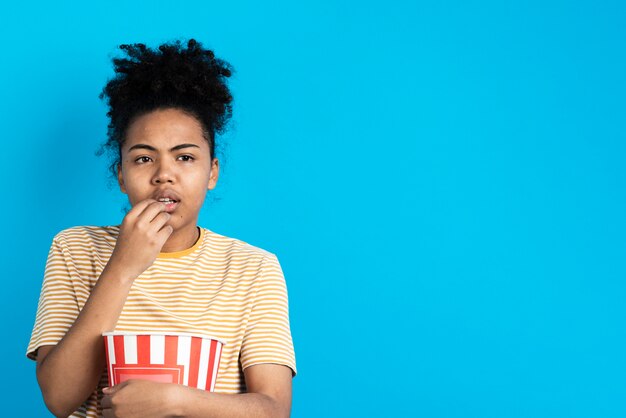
x=151, y=211
x=165, y=233
x=109, y=391
x=106, y=402
x=160, y=220
x=138, y=209
x=108, y=413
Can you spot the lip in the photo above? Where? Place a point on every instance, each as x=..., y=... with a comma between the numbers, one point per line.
x=171, y=207
x=168, y=194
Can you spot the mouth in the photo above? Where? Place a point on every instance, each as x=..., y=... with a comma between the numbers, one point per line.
x=170, y=203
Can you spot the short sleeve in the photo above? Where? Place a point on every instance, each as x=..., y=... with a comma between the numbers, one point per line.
x=267, y=338
x=58, y=306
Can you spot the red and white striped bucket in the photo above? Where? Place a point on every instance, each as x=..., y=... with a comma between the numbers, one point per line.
x=187, y=359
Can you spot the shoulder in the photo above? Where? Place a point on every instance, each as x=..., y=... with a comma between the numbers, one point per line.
x=233, y=247
x=260, y=263
x=87, y=236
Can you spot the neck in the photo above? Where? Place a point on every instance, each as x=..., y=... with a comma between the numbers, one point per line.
x=181, y=239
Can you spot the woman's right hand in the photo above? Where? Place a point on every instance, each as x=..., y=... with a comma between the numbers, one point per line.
x=70, y=370
x=143, y=233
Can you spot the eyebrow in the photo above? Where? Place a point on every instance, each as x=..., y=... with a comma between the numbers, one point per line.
x=151, y=148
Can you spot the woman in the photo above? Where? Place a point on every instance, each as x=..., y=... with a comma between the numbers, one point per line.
x=158, y=270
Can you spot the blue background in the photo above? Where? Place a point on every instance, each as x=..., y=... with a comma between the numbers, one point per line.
x=443, y=183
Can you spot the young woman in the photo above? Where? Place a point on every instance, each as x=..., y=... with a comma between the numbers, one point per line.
x=158, y=270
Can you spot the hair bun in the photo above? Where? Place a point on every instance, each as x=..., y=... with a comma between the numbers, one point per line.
x=172, y=75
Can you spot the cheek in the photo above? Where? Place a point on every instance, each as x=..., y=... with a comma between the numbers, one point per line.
x=200, y=184
x=133, y=184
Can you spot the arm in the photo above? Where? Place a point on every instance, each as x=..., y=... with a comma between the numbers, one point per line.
x=69, y=371
x=269, y=396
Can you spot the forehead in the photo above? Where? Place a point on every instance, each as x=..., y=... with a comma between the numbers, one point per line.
x=164, y=129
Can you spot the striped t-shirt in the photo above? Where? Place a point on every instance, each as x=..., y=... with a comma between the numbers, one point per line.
x=221, y=287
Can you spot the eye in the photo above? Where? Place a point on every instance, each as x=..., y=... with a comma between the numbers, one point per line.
x=186, y=158
x=142, y=159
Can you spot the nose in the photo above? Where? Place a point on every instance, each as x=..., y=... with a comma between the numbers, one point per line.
x=163, y=174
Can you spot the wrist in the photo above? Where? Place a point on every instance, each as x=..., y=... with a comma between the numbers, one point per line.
x=114, y=271
x=176, y=400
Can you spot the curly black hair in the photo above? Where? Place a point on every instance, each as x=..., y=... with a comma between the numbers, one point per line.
x=188, y=78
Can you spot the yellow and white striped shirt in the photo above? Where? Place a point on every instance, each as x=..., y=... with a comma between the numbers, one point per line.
x=221, y=287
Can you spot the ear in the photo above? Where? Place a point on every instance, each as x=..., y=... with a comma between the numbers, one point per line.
x=214, y=173
x=120, y=178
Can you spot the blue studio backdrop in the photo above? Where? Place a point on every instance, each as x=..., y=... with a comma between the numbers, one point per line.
x=443, y=183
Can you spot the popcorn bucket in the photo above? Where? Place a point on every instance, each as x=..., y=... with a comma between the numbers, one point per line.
x=187, y=359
